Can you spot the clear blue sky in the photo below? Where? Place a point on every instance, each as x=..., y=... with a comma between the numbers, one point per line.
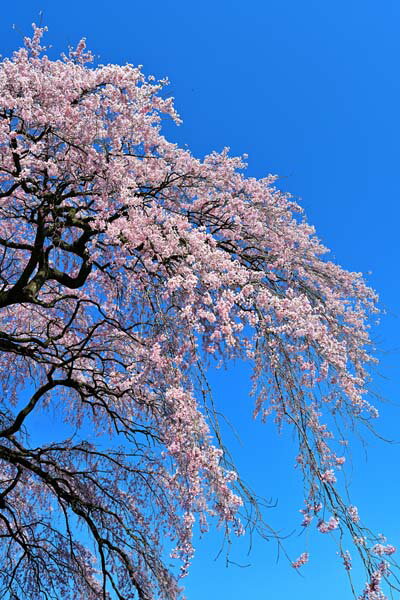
x=311, y=91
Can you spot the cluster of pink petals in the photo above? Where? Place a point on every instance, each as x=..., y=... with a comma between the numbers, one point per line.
x=302, y=560
x=327, y=526
x=328, y=476
x=381, y=549
x=346, y=560
x=353, y=513
x=373, y=590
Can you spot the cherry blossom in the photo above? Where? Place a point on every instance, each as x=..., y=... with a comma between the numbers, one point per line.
x=128, y=267
x=302, y=560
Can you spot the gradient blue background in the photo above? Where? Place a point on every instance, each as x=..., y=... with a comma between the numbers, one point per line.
x=310, y=90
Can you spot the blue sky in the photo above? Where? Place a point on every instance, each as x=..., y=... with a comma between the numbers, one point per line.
x=310, y=90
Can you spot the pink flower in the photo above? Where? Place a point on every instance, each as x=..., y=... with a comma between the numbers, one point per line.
x=329, y=476
x=353, y=513
x=327, y=526
x=302, y=560
x=380, y=549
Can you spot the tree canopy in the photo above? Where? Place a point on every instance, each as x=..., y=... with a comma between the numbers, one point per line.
x=127, y=267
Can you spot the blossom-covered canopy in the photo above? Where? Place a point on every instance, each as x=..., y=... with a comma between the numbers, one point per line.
x=127, y=266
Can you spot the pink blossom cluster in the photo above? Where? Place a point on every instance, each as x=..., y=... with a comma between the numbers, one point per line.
x=328, y=476
x=327, y=526
x=381, y=549
x=309, y=512
x=353, y=513
x=373, y=590
x=302, y=560
x=346, y=560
